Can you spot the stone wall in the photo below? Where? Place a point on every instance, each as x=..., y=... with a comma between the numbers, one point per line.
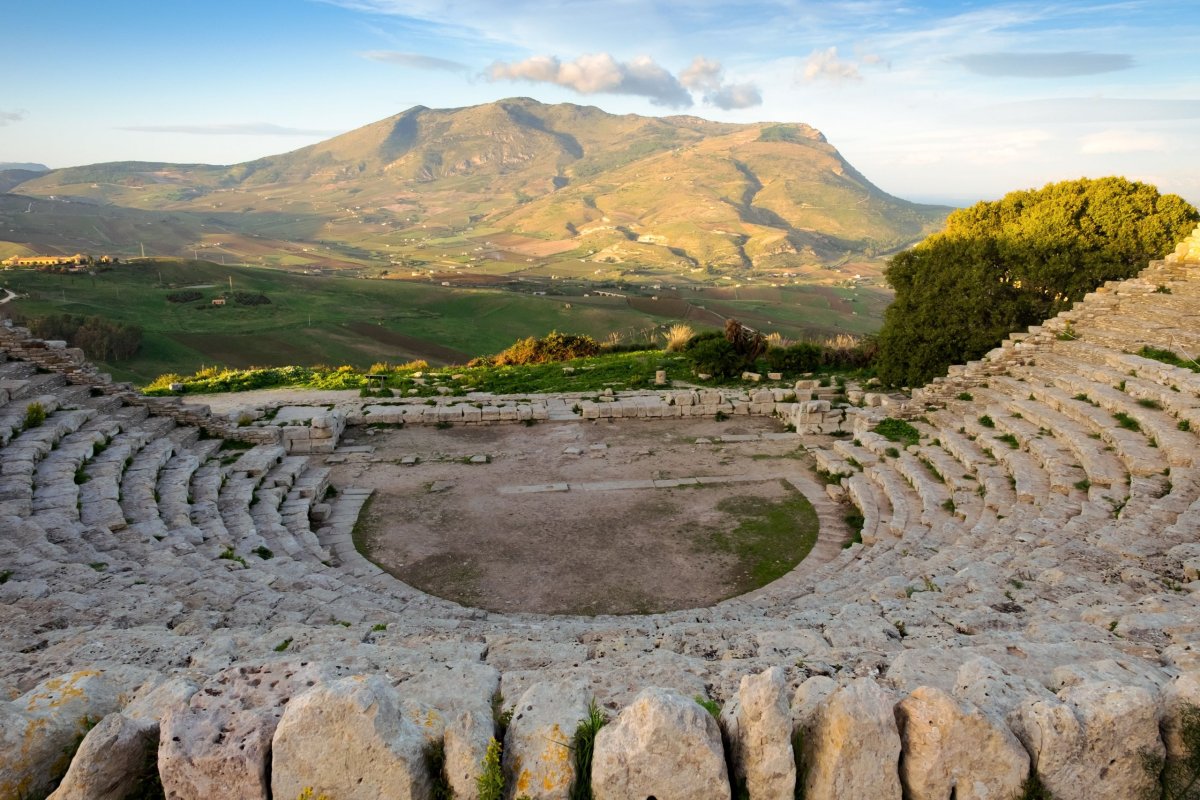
x=279, y=728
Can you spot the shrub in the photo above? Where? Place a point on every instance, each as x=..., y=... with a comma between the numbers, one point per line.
x=434, y=756
x=188, y=296
x=251, y=299
x=1178, y=777
x=552, y=347
x=747, y=343
x=715, y=356
x=35, y=415
x=799, y=357
x=490, y=782
x=99, y=338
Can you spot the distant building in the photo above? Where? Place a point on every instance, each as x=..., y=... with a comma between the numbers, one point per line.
x=77, y=260
x=218, y=301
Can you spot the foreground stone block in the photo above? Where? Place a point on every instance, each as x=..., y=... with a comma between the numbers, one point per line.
x=113, y=760
x=759, y=727
x=663, y=745
x=218, y=744
x=953, y=749
x=38, y=729
x=119, y=757
x=348, y=739
x=852, y=748
x=1089, y=746
x=537, y=755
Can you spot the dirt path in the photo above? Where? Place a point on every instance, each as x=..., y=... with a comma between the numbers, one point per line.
x=581, y=517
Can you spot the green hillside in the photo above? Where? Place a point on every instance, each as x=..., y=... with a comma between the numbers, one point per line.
x=342, y=320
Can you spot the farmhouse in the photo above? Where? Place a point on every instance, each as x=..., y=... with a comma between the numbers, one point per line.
x=79, y=259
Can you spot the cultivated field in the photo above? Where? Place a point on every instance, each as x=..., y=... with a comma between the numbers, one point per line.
x=318, y=319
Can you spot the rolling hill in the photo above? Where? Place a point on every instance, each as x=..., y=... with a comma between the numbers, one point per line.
x=498, y=189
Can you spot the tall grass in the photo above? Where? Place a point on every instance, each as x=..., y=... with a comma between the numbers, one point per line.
x=678, y=336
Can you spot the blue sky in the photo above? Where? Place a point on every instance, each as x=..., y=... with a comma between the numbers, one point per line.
x=931, y=100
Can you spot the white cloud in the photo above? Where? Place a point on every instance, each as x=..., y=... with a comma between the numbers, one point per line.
x=825, y=65
x=415, y=60
x=599, y=73
x=708, y=76
x=703, y=74
x=735, y=95
x=1116, y=141
x=9, y=117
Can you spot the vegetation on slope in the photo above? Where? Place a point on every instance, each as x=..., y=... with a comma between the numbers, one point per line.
x=1001, y=266
x=548, y=364
x=333, y=320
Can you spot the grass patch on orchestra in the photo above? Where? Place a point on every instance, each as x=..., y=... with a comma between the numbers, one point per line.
x=771, y=537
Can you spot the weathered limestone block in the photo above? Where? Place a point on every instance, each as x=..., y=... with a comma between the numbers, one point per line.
x=537, y=758
x=453, y=703
x=953, y=749
x=465, y=743
x=663, y=745
x=119, y=755
x=989, y=687
x=113, y=760
x=852, y=748
x=1177, y=696
x=348, y=739
x=38, y=728
x=218, y=744
x=1087, y=745
x=807, y=700
x=759, y=727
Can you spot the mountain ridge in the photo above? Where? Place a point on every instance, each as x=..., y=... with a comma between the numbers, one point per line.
x=679, y=192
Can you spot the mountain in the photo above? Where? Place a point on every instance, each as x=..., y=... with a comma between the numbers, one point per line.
x=505, y=183
x=23, y=165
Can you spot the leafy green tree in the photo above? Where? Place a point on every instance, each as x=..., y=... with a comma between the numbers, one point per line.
x=1001, y=266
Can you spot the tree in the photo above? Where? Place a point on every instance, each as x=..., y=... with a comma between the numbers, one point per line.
x=1001, y=266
